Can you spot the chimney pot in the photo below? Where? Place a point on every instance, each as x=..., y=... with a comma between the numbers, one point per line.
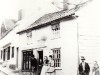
x=65, y=4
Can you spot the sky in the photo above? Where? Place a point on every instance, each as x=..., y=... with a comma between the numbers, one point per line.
x=9, y=8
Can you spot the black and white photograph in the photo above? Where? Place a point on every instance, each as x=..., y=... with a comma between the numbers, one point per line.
x=49, y=37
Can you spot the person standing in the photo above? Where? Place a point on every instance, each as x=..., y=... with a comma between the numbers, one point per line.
x=34, y=64
x=84, y=67
x=40, y=66
x=45, y=66
x=95, y=68
x=51, y=65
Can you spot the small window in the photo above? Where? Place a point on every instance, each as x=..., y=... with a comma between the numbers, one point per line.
x=56, y=27
x=29, y=37
x=57, y=57
x=56, y=30
x=12, y=52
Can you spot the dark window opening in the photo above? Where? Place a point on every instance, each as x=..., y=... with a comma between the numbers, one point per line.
x=1, y=54
x=8, y=54
x=12, y=52
x=4, y=55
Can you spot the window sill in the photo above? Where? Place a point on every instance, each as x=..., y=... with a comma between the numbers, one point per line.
x=58, y=68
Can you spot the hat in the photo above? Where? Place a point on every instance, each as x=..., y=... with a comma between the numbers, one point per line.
x=82, y=58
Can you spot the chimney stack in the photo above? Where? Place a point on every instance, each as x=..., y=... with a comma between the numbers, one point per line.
x=19, y=14
x=65, y=4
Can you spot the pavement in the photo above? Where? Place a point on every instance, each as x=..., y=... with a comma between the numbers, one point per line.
x=1, y=73
x=7, y=71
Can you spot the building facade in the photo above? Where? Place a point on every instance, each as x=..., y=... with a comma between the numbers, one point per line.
x=52, y=34
x=8, y=47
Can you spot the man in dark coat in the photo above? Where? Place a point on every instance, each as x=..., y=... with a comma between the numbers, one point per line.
x=84, y=68
x=34, y=64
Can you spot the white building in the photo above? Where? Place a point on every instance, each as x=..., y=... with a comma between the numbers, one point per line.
x=52, y=34
x=9, y=40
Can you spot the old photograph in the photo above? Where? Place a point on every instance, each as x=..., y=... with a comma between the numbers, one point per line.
x=49, y=37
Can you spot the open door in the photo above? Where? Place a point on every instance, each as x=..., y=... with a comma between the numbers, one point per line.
x=40, y=61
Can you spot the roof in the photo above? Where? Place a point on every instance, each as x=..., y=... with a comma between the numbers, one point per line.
x=50, y=17
x=47, y=18
x=6, y=27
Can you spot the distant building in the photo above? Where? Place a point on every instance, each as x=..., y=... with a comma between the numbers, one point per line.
x=7, y=49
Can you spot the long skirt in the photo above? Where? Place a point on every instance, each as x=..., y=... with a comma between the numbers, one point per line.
x=97, y=72
x=44, y=70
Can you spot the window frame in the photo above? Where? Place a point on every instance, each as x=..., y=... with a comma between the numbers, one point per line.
x=57, y=58
x=55, y=27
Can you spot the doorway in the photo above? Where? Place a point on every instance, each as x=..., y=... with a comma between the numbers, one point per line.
x=40, y=61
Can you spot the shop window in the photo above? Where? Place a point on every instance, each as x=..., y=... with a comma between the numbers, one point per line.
x=56, y=30
x=8, y=55
x=57, y=57
x=12, y=52
x=29, y=37
x=26, y=62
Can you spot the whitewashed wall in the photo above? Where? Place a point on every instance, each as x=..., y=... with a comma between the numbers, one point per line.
x=67, y=42
x=69, y=49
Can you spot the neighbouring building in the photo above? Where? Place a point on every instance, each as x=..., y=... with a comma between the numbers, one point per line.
x=8, y=46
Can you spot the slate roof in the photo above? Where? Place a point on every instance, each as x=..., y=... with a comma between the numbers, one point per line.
x=47, y=18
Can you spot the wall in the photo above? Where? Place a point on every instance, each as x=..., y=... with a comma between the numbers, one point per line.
x=69, y=48
x=13, y=39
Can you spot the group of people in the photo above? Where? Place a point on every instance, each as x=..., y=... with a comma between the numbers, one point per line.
x=84, y=68
x=46, y=66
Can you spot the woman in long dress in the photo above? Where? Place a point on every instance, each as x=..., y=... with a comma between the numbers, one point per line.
x=51, y=65
x=45, y=66
x=95, y=69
